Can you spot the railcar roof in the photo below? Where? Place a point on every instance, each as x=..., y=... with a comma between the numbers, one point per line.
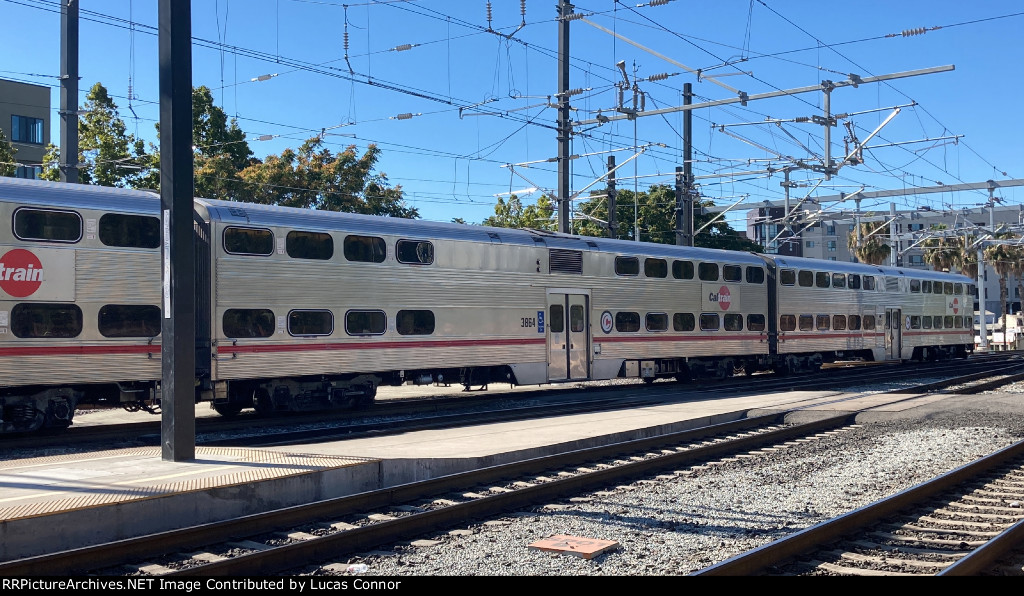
x=844, y=267
x=229, y=212
x=42, y=193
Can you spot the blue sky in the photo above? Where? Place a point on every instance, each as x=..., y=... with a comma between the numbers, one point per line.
x=449, y=156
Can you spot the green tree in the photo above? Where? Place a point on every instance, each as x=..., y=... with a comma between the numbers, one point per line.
x=871, y=249
x=950, y=253
x=654, y=212
x=8, y=166
x=1001, y=258
x=313, y=177
x=513, y=214
x=112, y=157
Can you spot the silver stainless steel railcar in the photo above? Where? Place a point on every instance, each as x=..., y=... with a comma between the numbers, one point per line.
x=304, y=310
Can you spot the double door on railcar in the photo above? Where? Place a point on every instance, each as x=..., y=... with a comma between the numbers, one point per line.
x=568, y=335
x=894, y=333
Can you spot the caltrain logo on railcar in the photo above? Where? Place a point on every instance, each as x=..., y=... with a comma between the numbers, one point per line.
x=21, y=273
x=955, y=306
x=39, y=274
x=719, y=297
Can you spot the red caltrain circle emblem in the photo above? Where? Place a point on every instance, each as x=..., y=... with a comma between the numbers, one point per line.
x=724, y=298
x=956, y=305
x=21, y=273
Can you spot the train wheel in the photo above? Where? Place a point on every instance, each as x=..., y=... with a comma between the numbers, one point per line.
x=366, y=399
x=262, y=402
x=227, y=410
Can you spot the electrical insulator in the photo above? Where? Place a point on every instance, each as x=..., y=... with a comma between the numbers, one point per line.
x=522, y=8
x=658, y=2
x=403, y=47
x=404, y=116
x=658, y=77
x=488, y=14
x=265, y=137
x=346, y=40
x=910, y=32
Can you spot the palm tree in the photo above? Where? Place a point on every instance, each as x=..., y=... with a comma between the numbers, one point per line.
x=1001, y=258
x=871, y=249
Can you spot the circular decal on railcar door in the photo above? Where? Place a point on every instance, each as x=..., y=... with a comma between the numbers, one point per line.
x=606, y=322
x=21, y=273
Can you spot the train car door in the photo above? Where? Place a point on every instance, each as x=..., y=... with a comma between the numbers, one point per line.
x=893, y=333
x=568, y=336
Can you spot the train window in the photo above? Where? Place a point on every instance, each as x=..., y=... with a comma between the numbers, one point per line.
x=682, y=269
x=657, y=321
x=787, y=277
x=838, y=280
x=732, y=322
x=41, y=319
x=787, y=322
x=316, y=322
x=854, y=282
x=839, y=322
x=972, y=290
x=708, y=272
x=576, y=318
x=958, y=322
x=309, y=245
x=915, y=322
x=821, y=279
x=655, y=267
x=948, y=322
x=414, y=322
x=709, y=321
x=755, y=322
x=926, y=287
x=926, y=322
x=869, y=282
x=869, y=322
x=47, y=225
x=627, y=322
x=755, y=275
x=805, y=278
x=683, y=321
x=822, y=322
x=556, y=318
x=732, y=273
x=248, y=241
x=947, y=288
x=127, y=320
x=365, y=322
x=958, y=289
x=888, y=319
x=853, y=322
x=415, y=252
x=132, y=231
x=627, y=266
x=806, y=323
x=365, y=249
x=915, y=286
x=248, y=322
x=937, y=322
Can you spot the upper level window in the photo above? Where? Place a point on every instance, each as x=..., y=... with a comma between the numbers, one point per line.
x=682, y=269
x=47, y=225
x=732, y=273
x=25, y=129
x=248, y=241
x=854, y=282
x=309, y=245
x=655, y=268
x=869, y=282
x=133, y=231
x=805, y=278
x=755, y=275
x=708, y=271
x=37, y=319
x=915, y=286
x=787, y=277
x=838, y=280
x=821, y=279
x=627, y=266
x=365, y=249
x=416, y=252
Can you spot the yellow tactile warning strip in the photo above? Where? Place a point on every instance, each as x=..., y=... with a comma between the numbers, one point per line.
x=47, y=485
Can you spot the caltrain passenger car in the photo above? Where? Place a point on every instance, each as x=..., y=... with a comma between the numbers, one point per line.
x=305, y=310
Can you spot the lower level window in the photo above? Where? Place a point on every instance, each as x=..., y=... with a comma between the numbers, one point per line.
x=46, y=320
x=709, y=322
x=248, y=322
x=365, y=322
x=415, y=322
x=129, y=320
x=310, y=322
x=627, y=322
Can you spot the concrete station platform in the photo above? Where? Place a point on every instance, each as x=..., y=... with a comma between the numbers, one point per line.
x=57, y=503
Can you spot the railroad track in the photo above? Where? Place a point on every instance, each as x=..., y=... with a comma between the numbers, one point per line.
x=419, y=413
x=964, y=522
x=278, y=541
